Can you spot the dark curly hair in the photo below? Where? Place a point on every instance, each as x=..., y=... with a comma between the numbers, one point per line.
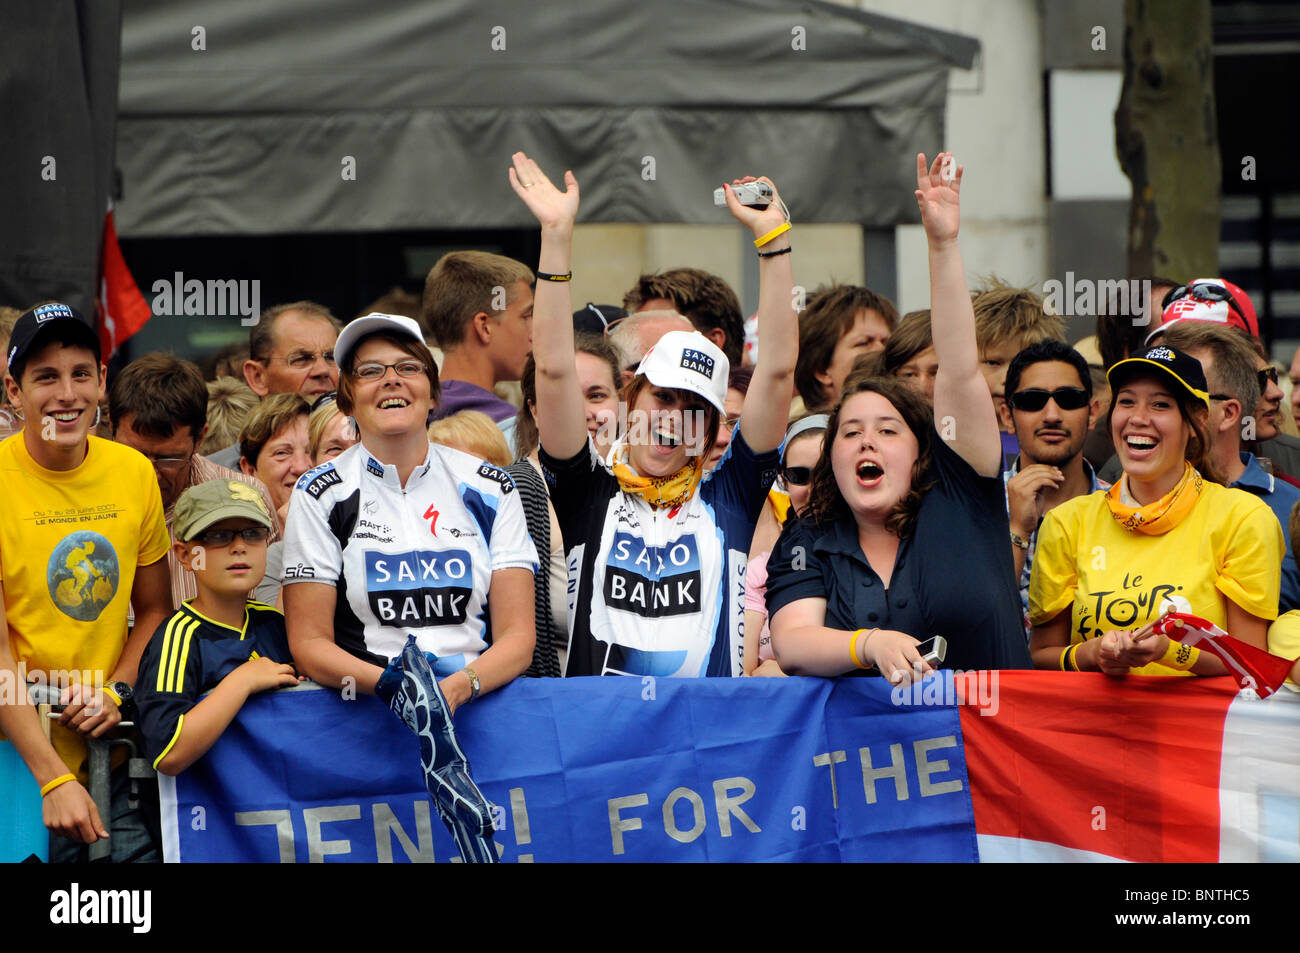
x=826, y=504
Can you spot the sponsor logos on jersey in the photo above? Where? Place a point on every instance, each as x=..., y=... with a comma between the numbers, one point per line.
x=375, y=467
x=653, y=581
x=494, y=473
x=419, y=588
x=300, y=571
x=317, y=481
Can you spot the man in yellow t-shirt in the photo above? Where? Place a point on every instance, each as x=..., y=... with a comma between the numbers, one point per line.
x=82, y=536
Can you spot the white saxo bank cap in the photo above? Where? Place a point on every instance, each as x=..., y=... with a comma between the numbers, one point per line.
x=687, y=360
x=360, y=327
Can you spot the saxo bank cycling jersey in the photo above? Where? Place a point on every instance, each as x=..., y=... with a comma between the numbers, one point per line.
x=417, y=559
x=657, y=591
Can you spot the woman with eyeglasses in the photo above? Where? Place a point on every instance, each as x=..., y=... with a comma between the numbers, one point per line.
x=799, y=452
x=656, y=549
x=1166, y=536
x=905, y=536
x=408, y=567
x=396, y=535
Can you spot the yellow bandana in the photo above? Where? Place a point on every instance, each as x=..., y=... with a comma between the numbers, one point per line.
x=1164, y=514
x=669, y=491
x=780, y=503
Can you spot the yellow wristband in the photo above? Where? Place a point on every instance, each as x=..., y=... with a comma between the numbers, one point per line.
x=60, y=780
x=1179, y=657
x=760, y=242
x=1070, y=657
x=117, y=699
x=853, y=646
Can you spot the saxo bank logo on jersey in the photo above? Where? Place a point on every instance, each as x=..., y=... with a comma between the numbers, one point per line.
x=419, y=588
x=653, y=581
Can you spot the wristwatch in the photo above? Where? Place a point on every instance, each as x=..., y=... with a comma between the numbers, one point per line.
x=1019, y=541
x=124, y=696
x=473, y=682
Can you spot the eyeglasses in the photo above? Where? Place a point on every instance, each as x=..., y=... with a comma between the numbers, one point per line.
x=168, y=464
x=302, y=360
x=1204, y=291
x=224, y=537
x=1221, y=397
x=797, y=476
x=1034, y=398
x=1267, y=375
x=373, y=370
x=326, y=398
x=730, y=422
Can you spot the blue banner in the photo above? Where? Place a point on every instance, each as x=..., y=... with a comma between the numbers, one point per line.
x=22, y=829
x=594, y=769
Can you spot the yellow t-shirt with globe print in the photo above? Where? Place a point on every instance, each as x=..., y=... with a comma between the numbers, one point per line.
x=70, y=542
x=1228, y=547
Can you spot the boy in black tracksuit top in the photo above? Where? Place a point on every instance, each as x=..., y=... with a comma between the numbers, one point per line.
x=218, y=641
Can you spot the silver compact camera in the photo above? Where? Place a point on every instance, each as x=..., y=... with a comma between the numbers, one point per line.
x=753, y=194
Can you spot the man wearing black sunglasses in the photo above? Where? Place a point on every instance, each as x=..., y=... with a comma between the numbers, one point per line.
x=1050, y=407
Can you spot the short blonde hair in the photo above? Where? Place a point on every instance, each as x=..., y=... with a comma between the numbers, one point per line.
x=230, y=402
x=1004, y=312
x=472, y=432
x=274, y=413
x=461, y=285
x=320, y=420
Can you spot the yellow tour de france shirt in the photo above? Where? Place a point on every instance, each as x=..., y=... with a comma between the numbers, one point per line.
x=1228, y=547
x=70, y=542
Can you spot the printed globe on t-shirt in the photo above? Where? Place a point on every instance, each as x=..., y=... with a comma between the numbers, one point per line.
x=82, y=575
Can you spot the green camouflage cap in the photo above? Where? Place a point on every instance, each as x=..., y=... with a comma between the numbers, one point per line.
x=216, y=500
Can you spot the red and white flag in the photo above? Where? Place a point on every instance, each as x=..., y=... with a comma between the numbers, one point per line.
x=120, y=308
x=1253, y=668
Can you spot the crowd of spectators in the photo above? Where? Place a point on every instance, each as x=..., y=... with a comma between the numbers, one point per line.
x=656, y=496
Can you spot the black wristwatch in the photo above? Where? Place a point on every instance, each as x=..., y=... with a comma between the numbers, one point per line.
x=123, y=691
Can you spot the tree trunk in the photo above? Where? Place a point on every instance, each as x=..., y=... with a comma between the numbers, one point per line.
x=1167, y=139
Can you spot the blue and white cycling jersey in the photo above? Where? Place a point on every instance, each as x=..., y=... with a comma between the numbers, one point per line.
x=413, y=560
x=657, y=591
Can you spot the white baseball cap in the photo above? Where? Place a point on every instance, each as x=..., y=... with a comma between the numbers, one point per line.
x=358, y=328
x=687, y=360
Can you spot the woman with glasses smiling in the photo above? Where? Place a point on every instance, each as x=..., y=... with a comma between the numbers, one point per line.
x=396, y=540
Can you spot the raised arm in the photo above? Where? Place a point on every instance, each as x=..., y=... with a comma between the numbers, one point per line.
x=561, y=420
x=767, y=403
x=963, y=407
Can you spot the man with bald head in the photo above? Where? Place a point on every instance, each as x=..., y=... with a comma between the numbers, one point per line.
x=637, y=333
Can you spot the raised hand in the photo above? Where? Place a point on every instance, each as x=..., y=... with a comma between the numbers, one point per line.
x=758, y=221
x=554, y=210
x=938, y=194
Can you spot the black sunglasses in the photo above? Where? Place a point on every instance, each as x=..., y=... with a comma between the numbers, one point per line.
x=1267, y=375
x=224, y=537
x=1034, y=398
x=797, y=476
x=1204, y=291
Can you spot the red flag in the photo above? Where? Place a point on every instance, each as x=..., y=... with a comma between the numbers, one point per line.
x=120, y=308
x=1253, y=668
